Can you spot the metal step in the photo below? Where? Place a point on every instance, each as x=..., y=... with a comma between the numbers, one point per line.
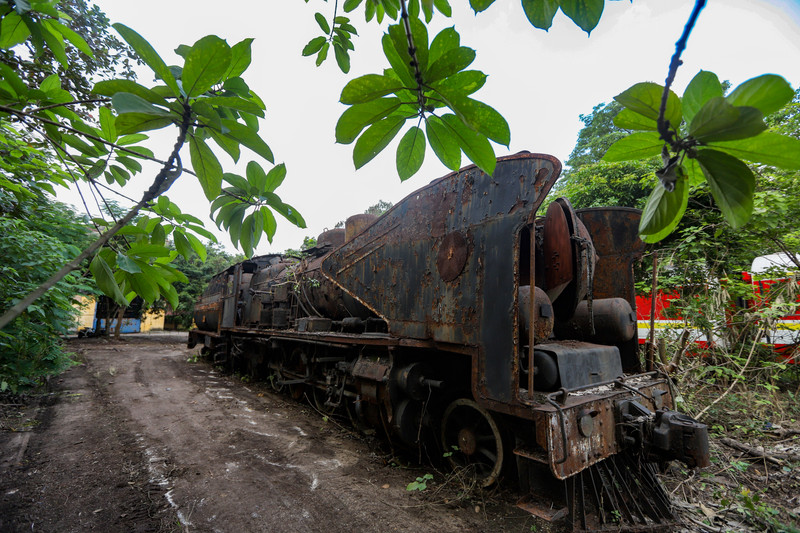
x=540, y=456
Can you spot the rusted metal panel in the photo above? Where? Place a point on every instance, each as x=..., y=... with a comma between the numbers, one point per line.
x=560, y=424
x=615, y=234
x=390, y=268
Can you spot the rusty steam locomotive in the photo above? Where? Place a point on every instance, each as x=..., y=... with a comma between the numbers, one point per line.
x=461, y=317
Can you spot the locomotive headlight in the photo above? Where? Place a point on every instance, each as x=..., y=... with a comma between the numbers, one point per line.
x=586, y=422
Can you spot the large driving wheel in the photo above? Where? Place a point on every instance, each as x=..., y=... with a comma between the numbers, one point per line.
x=472, y=440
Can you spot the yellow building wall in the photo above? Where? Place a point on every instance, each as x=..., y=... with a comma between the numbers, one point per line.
x=86, y=305
x=152, y=321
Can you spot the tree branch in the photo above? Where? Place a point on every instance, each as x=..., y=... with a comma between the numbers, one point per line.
x=666, y=134
x=74, y=102
x=171, y=170
x=412, y=51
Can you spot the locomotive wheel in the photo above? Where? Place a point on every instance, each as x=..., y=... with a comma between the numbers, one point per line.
x=473, y=440
x=318, y=397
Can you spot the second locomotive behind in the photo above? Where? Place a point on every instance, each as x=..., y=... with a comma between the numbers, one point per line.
x=460, y=317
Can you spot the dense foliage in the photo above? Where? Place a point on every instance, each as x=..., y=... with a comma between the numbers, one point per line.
x=36, y=237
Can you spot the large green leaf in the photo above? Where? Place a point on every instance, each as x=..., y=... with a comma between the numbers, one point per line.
x=275, y=177
x=130, y=103
x=446, y=40
x=241, y=56
x=230, y=146
x=443, y=143
x=256, y=176
x=342, y=57
x=314, y=45
x=132, y=139
x=767, y=148
x=443, y=6
x=703, y=87
x=585, y=13
x=234, y=102
x=399, y=63
x=419, y=33
x=375, y=139
x=540, y=13
x=105, y=280
x=206, y=64
x=171, y=294
x=731, y=182
x=323, y=22
x=645, y=98
x=478, y=116
x=400, y=42
x=127, y=264
x=13, y=31
x=663, y=211
x=410, y=153
x=767, y=93
x=54, y=42
x=206, y=165
x=369, y=87
x=630, y=120
x=13, y=80
x=182, y=244
x=718, y=120
x=288, y=212
x=76, y=40
x=269, y=223
x=107, y=127
x=148, y=54
x=465, y=82
x=80, y=145
x=238, y=182
x=475, y=145
x=144, y=284
x=480, y=5
x=248, y=137
x=359, y=116
x=449, y=63
x=635, y=146
x=136, y=122
x=198, y=247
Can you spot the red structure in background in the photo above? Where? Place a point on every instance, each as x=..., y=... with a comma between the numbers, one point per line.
x=783, y=333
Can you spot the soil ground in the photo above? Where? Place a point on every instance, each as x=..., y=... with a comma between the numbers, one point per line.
x=141, y=437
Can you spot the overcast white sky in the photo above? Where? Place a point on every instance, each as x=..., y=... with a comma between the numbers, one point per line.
x=540, y=81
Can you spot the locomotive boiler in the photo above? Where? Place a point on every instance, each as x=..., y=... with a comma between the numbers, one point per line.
x=461, y=320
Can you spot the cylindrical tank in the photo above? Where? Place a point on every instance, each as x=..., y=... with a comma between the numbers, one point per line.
x=355, y=224
x=542, y=313
x=332, y=237
x=614, y=322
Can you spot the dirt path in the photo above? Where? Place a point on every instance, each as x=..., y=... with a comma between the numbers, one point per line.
x=139, y=439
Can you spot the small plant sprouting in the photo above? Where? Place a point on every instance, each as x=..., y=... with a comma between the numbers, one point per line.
x=420, y=484
x=449, y=454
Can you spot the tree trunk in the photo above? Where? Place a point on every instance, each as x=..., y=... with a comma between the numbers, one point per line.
x=118, y=326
